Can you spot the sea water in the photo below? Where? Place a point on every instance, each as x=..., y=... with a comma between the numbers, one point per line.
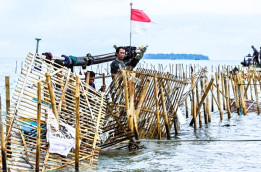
x=229, y=145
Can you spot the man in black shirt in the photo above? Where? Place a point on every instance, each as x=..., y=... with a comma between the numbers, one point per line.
x=118, y=62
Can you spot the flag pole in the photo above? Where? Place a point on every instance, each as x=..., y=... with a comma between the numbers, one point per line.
x=130, y=20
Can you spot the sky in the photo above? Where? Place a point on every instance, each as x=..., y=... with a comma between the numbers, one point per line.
x=220, y=29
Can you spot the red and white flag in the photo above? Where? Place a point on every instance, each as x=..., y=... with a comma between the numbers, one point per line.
x=139, y=21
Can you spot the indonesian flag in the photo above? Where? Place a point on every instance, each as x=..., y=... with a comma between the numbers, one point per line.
x=139, y=21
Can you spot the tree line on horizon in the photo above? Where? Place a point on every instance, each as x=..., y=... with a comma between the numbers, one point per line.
x=176, y=56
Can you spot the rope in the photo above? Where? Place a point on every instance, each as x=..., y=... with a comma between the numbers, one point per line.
x=203, y=140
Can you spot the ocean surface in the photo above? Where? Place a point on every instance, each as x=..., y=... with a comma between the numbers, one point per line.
x=228, y=145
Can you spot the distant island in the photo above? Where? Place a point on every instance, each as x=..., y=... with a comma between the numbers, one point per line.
x=176, y=56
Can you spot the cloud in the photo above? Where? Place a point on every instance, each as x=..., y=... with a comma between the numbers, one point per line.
x=220, y=29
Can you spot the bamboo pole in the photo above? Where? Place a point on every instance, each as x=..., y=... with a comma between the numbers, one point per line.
x=3, y=150
x=235, y=88
x=186, y=100
x=52, y=96
x=256, y=92
x=7, y=92
x=87, y=79
x=126, y=94
x=203, y=87
x=131, y=108
x=222, y=90
x=197, y=103
x=142, y=97
x=157, y=106
x=242, y=101
x=202, y=99
x=227, y=98
x=166, y=120
x=207, y=104
x=194, y=113
x=37, y=162
x=103, y=81
x=77, y=125
x=218, y=97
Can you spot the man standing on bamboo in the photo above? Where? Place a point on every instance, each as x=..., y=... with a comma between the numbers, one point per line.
x=118, y=62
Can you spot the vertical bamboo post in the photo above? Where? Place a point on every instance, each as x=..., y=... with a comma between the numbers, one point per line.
x=202, y=84
x=157, y=105
x=242, y=100
x=236, y=88
x=197, y=102
x=186, y=100
x=37, y=162
x=52, y=97
x=165, y=113
x=212, y=98
x=227, y=98
x=77, y=125
x=103, y=81
x=126, y=94
x=218, y=97
x=7, y=95
x=87, y=79
x=207, y=104
x=131, y=108
x=193, y=103
x=3, y=150
x=256, y=92
x=222, y=90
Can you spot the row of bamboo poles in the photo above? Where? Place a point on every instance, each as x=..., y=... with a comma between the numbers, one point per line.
x=141, y=104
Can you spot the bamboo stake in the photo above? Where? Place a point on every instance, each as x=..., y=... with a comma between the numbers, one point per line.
x=218, y=97
x=227, y=98
x=131, y=95
x=52, y=96
x=203, y=87
x=77, y=131
x=126, y=94
x=37, y=164
x=157, y=106
x=202, y=99
x=186, y=100
x=197, y=102
x=7, y=92
x=103, y=81
x=236, y=92
x=222, y=90
x=87, y=79
x=3, y=150
x=207, y=105
x=165, y=113
x=256, y=92
x=194, y=113
x=242, y=101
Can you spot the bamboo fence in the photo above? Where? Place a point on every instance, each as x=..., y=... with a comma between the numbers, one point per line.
x=42, y=86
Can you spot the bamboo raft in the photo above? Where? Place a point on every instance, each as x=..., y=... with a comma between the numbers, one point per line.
x=44, y=87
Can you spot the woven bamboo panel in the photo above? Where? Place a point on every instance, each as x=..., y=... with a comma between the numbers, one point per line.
x=21, y=138
x=136, y=107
